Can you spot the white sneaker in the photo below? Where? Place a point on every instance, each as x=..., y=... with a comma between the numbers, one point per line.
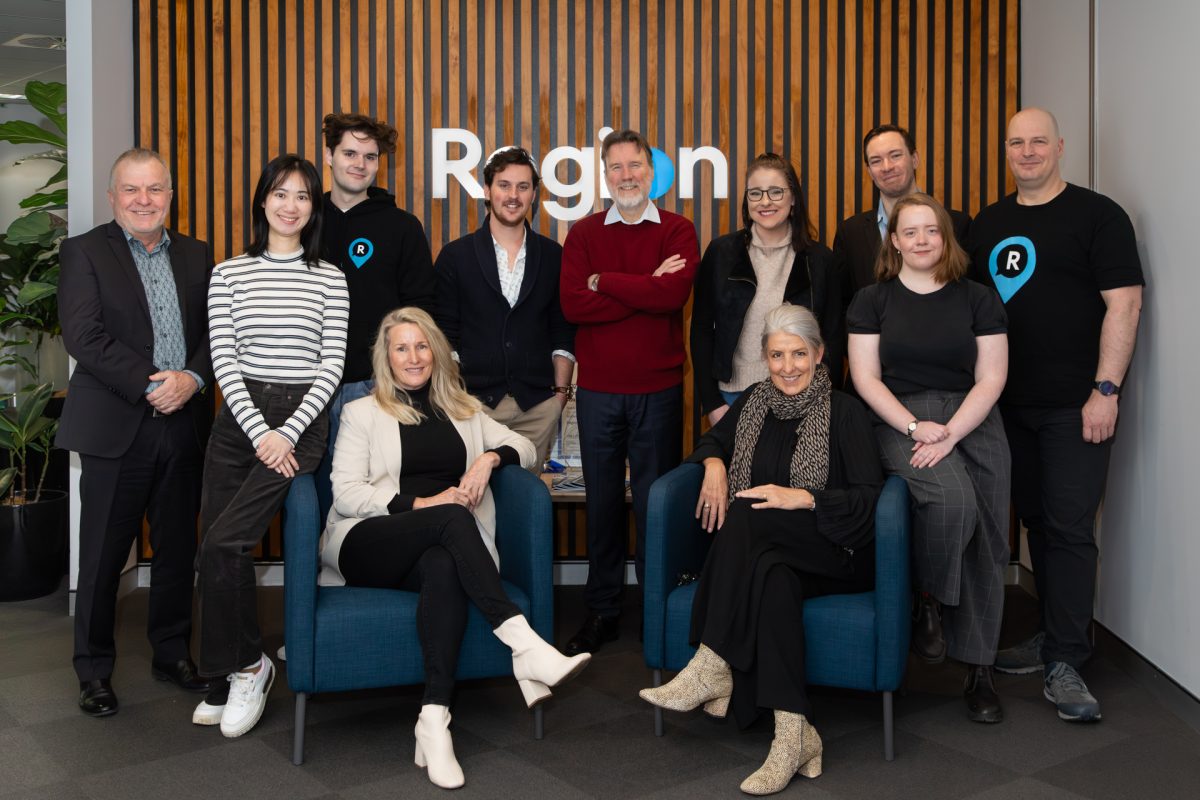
x=247, y=698
x=210, y=713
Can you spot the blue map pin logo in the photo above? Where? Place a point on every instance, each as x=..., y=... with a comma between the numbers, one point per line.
x=664, y=173
x=1010, y=276
x=360, y=252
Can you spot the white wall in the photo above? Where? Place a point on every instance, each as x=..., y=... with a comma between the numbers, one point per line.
x=100, y=127
x=1145, y=119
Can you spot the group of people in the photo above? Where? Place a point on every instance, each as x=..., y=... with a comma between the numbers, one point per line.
x=985, y=361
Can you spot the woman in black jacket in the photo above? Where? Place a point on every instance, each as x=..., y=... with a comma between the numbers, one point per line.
x=773, y=259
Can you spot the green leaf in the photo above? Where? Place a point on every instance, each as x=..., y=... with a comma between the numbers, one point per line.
x=33, y=291
x=6, y=478
x=57, y=177
x=34, y=228
x=12, y=316
x=58, y=197
x=18, y=131
x=48, y=98
x=31, y=407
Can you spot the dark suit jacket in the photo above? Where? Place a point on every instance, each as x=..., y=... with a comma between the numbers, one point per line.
x=503, y=350
x=857, y=243
x=107, y=329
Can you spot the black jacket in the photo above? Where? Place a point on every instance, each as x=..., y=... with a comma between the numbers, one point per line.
x=502, y=350
x=107, y=330
x=385, y=256
x=725, y=286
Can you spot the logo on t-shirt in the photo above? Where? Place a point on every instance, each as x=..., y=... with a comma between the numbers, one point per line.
x=360, y=252
x=1011, y=265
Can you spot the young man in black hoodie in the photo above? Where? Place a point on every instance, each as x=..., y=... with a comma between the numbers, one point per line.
x=381, y=249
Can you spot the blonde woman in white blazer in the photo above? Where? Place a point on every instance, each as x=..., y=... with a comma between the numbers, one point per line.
x=412, y=510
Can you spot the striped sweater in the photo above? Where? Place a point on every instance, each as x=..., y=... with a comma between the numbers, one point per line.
x=274, y=319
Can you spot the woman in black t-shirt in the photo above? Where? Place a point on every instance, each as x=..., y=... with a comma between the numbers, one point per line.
x=929, y=356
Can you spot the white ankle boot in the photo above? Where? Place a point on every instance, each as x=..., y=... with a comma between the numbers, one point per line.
x=537, y=665
x=435, y=749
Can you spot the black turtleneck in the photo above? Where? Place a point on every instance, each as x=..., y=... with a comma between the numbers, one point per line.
x=435, y=456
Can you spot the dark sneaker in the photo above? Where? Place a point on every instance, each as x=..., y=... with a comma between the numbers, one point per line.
x=1022, y=659
x=1070, y=694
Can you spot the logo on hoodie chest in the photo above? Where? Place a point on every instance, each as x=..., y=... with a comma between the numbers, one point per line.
x=360, y=252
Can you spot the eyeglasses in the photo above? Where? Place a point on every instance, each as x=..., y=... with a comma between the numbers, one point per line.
x=774, y=192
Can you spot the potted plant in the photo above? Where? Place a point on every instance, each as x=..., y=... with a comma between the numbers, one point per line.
x=33, y=520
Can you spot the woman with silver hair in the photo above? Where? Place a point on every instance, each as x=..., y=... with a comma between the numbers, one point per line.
x=791, y=478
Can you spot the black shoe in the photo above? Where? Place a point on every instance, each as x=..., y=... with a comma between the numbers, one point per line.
x=97, y=698
x=928, y=641
x=182, y=674
x=983, y=704
x=595, y=631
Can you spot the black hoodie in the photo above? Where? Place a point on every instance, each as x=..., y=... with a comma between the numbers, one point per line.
x=385, y=256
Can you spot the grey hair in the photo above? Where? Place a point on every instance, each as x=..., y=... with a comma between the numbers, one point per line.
x=138, y=154
x=795, y=320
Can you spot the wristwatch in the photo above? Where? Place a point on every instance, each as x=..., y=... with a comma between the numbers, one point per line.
x=912, y=427
x=1107, y=388
x=569, y=391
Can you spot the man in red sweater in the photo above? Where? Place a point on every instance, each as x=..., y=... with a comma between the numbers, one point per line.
x=626, y=275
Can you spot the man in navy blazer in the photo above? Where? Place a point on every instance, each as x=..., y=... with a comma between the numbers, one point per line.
x=132, y=300
x=497, y=302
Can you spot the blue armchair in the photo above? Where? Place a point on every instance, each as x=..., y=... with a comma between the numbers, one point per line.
x=346, y=637
x=852, y=641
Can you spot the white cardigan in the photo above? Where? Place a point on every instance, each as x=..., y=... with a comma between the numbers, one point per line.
x=366, y=474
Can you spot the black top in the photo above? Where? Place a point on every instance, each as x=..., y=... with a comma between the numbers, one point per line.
x=1050, y=262
x=435, y=456
x=845, y=512
x=927, y=341
x=383, y=252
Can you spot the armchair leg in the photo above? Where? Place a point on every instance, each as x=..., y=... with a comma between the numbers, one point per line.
x=538, y=729
x=298, y=734
x=658, y=712
x=889, y=732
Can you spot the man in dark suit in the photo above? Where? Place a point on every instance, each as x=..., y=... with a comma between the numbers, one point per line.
x=132, y=299
x=890, y=153
x=497, y=302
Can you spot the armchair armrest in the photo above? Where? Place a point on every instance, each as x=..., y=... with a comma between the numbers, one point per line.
x=524, y=531
x=302, y=526
x=675, y=543
x=893, y=588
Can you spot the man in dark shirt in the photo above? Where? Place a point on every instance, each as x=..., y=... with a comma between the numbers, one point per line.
x=1064, y=260
x=381, y=249
x=890, y=153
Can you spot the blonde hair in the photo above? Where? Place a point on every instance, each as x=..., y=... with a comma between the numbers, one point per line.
x=447, y=392
x=954, y=261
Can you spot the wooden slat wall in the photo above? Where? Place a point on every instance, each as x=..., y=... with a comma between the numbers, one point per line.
x=225, y=85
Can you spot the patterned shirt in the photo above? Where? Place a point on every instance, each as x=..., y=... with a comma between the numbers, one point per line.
x=510, y=279
x=154, y=268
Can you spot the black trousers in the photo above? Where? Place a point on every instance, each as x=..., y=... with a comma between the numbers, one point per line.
x=158, y=477
x=240, y=497
x=1057, y=484
x=648, y=429
x=438, y=553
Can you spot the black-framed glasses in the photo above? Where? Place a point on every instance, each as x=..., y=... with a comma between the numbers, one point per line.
x=776, y=193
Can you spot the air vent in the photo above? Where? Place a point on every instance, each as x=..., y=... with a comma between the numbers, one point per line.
x=38, y=41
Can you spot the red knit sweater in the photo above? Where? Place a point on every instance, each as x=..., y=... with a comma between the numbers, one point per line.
x=630, y=335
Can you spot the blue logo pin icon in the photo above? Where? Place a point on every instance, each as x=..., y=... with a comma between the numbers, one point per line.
x=360, y=252
x=664, y=173
x=1020, y=260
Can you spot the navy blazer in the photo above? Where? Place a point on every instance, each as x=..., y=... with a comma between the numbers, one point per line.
x=502, y=349
x=107, y=330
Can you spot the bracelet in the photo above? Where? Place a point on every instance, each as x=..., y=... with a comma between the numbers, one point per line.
x=569, y=391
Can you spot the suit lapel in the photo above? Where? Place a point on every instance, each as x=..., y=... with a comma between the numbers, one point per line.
x=485, y=257
x=124, y=259
x=179, y=272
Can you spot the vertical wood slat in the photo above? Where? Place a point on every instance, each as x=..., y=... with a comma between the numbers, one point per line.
x=680, y=70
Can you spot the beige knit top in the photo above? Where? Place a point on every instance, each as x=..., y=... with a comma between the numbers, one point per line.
x=772, y=264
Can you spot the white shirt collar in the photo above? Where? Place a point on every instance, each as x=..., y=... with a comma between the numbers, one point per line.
x=650, y=214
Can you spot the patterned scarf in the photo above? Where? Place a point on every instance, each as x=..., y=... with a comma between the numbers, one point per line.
x=810, y=461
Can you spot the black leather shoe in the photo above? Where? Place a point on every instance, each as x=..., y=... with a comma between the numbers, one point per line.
x=595, y=631
x=182, y=674
x=928, y=641
x=983, y=704
x=97, y=698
